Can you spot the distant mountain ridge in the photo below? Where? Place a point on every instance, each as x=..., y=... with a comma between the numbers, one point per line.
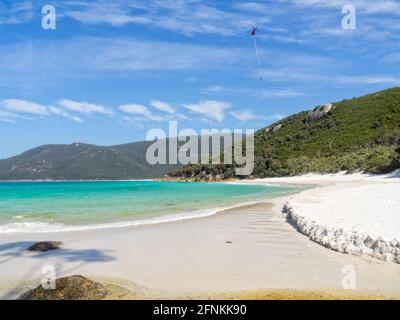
x=79, y=161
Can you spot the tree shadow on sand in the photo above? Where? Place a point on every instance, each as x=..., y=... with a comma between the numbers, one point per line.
x=394, y=175
x=15, y=250
x=20, y=249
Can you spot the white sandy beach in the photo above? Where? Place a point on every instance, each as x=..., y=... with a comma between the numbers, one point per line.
x=246, y=248
x=357, y=214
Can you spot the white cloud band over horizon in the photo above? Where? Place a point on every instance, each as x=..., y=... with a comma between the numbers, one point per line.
x=13, y=109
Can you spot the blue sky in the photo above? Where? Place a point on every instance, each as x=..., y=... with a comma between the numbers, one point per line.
x=112, y=70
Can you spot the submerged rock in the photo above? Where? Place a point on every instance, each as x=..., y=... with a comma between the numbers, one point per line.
x=44, y=246
x=68, y=288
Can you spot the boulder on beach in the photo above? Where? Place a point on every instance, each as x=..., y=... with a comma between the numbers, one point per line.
x=44, y=246
x=68, y=288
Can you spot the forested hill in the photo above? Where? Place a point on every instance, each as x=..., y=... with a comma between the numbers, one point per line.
x=80, y=161
x=360, y=134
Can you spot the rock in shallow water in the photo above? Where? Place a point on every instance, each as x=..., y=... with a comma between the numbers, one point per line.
x=44, y=246
x=68, y=288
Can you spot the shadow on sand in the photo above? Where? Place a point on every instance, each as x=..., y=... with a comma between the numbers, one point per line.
x=392, y=175
x=12, y=250
x=15, y=250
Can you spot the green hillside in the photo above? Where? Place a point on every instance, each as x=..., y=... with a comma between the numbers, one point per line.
x=80, y=161
x=361, y=134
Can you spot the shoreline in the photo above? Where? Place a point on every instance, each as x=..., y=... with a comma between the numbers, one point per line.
x=163, y=219
x=246, y=251
x=27, y=226
x=51, y=180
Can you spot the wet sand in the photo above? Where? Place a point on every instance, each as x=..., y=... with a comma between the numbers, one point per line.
x=244, y=252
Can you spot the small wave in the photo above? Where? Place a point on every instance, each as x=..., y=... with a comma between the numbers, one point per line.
x=43, y=227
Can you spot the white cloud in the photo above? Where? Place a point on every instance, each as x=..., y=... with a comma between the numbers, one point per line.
x=63, y=113
x=96, y=12
x=135, y=55
x=134, y=108
x=367, y=6
x=252, y=6
x=133, y=122
x=210, y=109
x=276, y=117
x=281, y=93
x=243, y=116
x=84, y=107
x=13, y=109
x=215, y=89
x=113, y=56
x=182, y=116
x=41, y=63
x=6, y=116
x=249, y=115
x=16, y=13
x=163, y=106
x=23, y=106
x=368, y=79
x=179, y=16
x=140, y=110
x=305, y=74
x=7, y=120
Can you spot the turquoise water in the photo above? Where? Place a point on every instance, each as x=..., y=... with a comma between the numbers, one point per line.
x=61, y=206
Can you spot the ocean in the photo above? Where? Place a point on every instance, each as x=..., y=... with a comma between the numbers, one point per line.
x=77, y=206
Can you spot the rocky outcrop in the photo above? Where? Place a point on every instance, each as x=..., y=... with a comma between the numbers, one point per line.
x=319, y=112
x=274, y=129
x=44, y=246
x=277, y=128
x=68, y=288
x=201, y=177
x=350, y=242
